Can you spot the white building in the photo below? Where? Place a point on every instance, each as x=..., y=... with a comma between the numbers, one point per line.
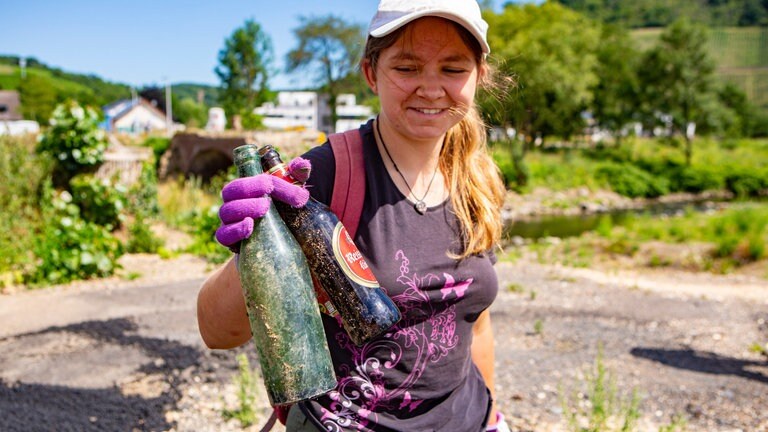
x=308, y=110
x=349, y=114
x=11, y=120
x=133, y=116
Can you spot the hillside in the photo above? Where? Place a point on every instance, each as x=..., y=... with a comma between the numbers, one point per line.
x=655, y=13
x=45, y=86
x=741, y=55
x=210, y=94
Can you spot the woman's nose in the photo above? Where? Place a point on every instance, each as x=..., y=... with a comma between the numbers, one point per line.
x=430, y=87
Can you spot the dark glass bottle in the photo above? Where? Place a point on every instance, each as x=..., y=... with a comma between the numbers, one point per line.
x=337, y=265
x=282, y=309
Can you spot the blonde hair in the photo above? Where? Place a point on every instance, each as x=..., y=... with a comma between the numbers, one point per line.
x=475, y=185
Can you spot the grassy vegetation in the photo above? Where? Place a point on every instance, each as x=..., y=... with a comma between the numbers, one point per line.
x=728, y=240
x=248, y=395
x=22, y=175
x=642, y=167
x=597, y=405
x=80, y=229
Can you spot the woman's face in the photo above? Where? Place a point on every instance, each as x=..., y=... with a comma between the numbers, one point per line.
x=426, y=81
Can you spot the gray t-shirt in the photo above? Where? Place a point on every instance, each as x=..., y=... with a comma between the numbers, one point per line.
x=419, y=376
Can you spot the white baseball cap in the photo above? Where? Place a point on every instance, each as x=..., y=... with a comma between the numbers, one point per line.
x=393, y=14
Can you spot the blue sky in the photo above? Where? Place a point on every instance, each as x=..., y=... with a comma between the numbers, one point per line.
x=143, y=42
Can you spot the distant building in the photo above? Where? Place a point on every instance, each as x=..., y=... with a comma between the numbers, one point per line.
x=309, y=110
x=11, y=120
x=133, y=116
x=350, y=114
x=9, y=105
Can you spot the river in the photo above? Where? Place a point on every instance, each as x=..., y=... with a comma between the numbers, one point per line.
x=571, y=225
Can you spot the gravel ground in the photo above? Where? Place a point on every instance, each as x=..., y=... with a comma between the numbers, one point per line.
x=117, y=355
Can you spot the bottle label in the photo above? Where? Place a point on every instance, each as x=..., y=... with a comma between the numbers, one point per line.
x=281, y=171
x=351, y=260
x=324, y=301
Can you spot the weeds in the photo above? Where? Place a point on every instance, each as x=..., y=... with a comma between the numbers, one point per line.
x=759, y=349
x=600, y=408
x=247, y=394
x=679, y=423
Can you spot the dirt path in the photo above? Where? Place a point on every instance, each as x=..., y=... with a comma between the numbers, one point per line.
x=120, y=355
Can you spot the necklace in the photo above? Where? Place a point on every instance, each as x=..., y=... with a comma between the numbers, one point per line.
x=420, y=206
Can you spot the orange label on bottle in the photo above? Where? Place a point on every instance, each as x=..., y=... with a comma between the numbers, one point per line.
x=352, y=262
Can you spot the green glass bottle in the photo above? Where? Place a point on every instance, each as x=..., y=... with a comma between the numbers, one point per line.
x=279, y=296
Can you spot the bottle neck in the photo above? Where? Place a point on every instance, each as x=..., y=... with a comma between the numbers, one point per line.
x=247, y=161
x=273, y=164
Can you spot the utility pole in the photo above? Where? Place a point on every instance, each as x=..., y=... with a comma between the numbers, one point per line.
x=168, y=110
x=23, y=65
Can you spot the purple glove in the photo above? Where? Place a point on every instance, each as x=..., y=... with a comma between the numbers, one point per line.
x=247, y=198
x=501, y=424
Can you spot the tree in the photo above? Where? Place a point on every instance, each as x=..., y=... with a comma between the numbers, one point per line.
x=329, y=49
x=616, y=90
x=38, y=98
x=551, y=51
x=676, y=76
x=244, y=68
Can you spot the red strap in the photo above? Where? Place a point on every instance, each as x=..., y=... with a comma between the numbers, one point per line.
x=349, y=182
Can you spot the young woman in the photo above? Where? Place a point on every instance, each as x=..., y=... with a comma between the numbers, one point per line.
x=428, y=227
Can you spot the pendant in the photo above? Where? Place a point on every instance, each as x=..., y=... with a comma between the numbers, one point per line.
x=420, y=207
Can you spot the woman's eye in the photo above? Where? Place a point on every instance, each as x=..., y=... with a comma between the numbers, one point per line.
x=405, y=68
x=454, y=70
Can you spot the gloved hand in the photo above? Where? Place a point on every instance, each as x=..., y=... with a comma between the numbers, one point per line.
x=500, y=426
x=247, y=198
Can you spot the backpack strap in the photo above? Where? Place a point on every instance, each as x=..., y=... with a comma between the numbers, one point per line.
x=349, y=181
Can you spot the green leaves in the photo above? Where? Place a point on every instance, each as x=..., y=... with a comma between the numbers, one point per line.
x=551, y=51
x=244, y=69
x=328, y=49
x=70, y=248
x=74, y=140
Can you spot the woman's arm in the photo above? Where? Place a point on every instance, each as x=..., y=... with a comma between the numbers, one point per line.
x=221, y=315
x=484, y=357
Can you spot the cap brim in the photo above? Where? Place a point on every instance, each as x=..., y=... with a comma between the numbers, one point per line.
x=405, y=19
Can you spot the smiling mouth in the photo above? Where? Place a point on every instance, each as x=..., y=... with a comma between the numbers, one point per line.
x=430, y=111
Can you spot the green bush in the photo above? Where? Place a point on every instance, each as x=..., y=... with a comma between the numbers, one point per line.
x=74, y=141
x=22, y=174
x=70, y=248
x=697, y=179
x=740, y=234
x=100, y=201
x=142, y=196
x=747, y=183
x=159, y=145
x=203, y=229
x=141, y=237
x=506, y=164
x=630, y=181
